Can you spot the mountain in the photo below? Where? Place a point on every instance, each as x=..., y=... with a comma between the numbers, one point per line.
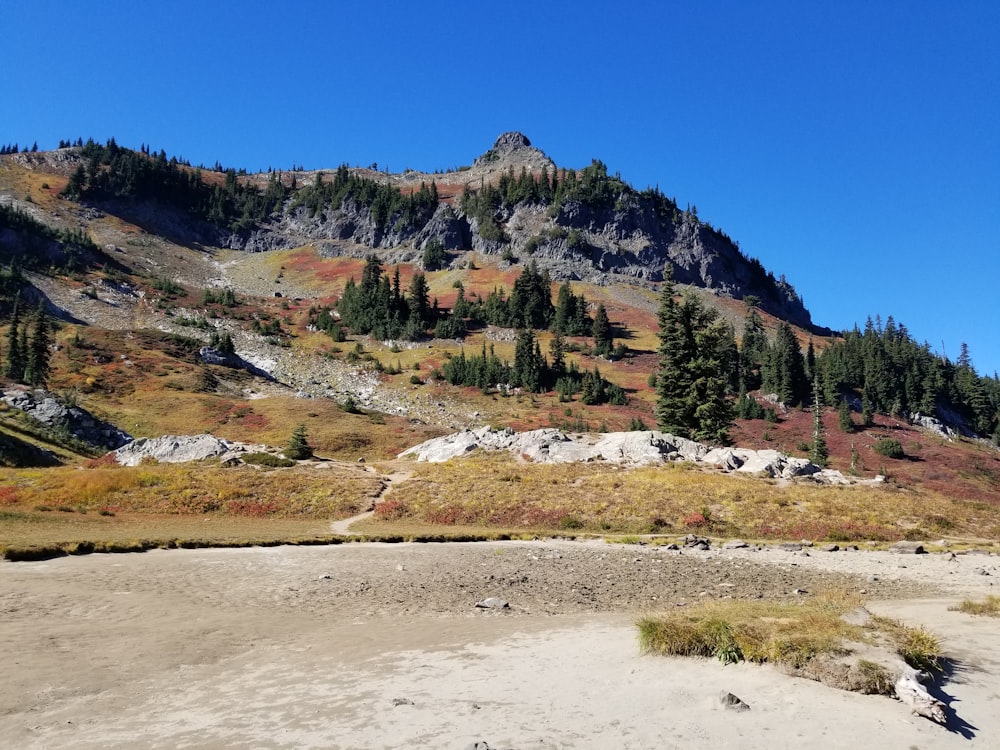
x=382, y=309
x=512, y=202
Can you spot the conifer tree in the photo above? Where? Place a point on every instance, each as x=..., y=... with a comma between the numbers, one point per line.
x=603, y=343
x=298, y=448
x=14, y=367
x=36, y=370
x=820, y=454
x=844, y=418
x=692, y=398
x=753, y=347
x=557, y=350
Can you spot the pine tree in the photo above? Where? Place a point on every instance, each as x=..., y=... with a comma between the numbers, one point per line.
x=820, y=454
x=557, y=350
x=603, y=342
x=36, y=370
x=298, y=448
x=692, y=393
x=528, y=363
x=844, y=419
x=14, y=367
x=753, y=347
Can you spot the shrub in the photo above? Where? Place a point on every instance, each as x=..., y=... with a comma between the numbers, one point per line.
x=889, y=447
x=267, y=459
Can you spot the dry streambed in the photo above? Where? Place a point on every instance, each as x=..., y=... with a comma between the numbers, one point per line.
x=374, y=645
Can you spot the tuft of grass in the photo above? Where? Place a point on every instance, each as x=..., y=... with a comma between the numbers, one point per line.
x=757, y=631
x=990, y=606
x=789, y=634
x=919, y=648
x=873, y=679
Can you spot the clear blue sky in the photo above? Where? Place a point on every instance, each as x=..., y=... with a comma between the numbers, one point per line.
x=852, y=146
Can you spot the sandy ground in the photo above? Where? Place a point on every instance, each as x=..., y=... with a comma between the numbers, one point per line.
x=381, y=646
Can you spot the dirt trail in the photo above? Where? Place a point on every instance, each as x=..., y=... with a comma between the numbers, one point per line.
x=343, y=526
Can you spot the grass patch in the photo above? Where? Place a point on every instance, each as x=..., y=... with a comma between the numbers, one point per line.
x=496, y=490
x=785, y=634
x=990, y=606
x=268, y=459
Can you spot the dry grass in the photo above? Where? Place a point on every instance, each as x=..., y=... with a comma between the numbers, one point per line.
x=990, y=606
x=170, y=501
x=786, y=634
x=498, y=491
x=757, y=631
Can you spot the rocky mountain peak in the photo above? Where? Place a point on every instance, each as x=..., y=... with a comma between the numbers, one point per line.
x=513, y=148
x=507, y=142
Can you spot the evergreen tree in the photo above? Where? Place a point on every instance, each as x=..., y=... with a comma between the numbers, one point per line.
x=14, y=367
x=844, y=419
x=419, y=301
x=603, y=342
x=529, y=365
x=784, y=371
x=753, y=347
x=692, y=398
x=557, y=350
x=820, y=454
x=36, y=370
x=298, y=448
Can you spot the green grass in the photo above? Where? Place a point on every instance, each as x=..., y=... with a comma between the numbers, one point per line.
x=990, y=606
x=786, y=634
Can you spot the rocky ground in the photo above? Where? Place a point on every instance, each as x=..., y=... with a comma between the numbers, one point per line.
x=372, y=645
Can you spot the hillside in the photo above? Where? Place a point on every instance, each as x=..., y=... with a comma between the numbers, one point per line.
x=360, y=304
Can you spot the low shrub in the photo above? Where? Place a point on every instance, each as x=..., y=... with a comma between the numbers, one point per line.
x=889, y=447
x=267, y=459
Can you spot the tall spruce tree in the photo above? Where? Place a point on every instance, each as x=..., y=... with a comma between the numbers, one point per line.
x=36, y=370
x=753, y=347
x=603, y=342
x=14, y=366
x=692, y=394
x=820, y=453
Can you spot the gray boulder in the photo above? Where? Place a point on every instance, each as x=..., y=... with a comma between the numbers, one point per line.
x=77, y=421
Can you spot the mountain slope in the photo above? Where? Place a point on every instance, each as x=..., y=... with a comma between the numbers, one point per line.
x=513, y=202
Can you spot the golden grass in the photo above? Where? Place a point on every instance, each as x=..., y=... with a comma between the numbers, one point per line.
x=496, y=490
x=990, y=606
x=168, y=501
x=787, y=634
x=756, y=631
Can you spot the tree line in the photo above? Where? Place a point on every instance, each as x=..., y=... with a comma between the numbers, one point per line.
x=704, y=378
x=27, y=356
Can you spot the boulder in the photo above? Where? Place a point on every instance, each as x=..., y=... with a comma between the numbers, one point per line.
x=907, y=548
x=172, y=449
x=53, y=413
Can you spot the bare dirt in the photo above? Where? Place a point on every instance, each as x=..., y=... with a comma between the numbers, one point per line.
x=368, y=645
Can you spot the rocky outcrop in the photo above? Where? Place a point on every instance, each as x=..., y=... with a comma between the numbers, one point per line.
x=211, y=356
x=73, y=420
x=173, y=449
x=638, y=235
x=640, y=448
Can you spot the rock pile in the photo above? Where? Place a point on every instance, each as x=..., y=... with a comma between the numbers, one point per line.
x=173, y=449
x=77, y=421
x=641, y=448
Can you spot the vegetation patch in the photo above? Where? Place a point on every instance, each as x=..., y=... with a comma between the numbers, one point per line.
x=790, y=635
x=496, y=490
x=990, y=606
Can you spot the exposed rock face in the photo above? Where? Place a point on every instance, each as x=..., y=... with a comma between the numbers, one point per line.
x=79, y=422
x=631, y=237
x=211, y=356
x=173, y=449
x=640, y=448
